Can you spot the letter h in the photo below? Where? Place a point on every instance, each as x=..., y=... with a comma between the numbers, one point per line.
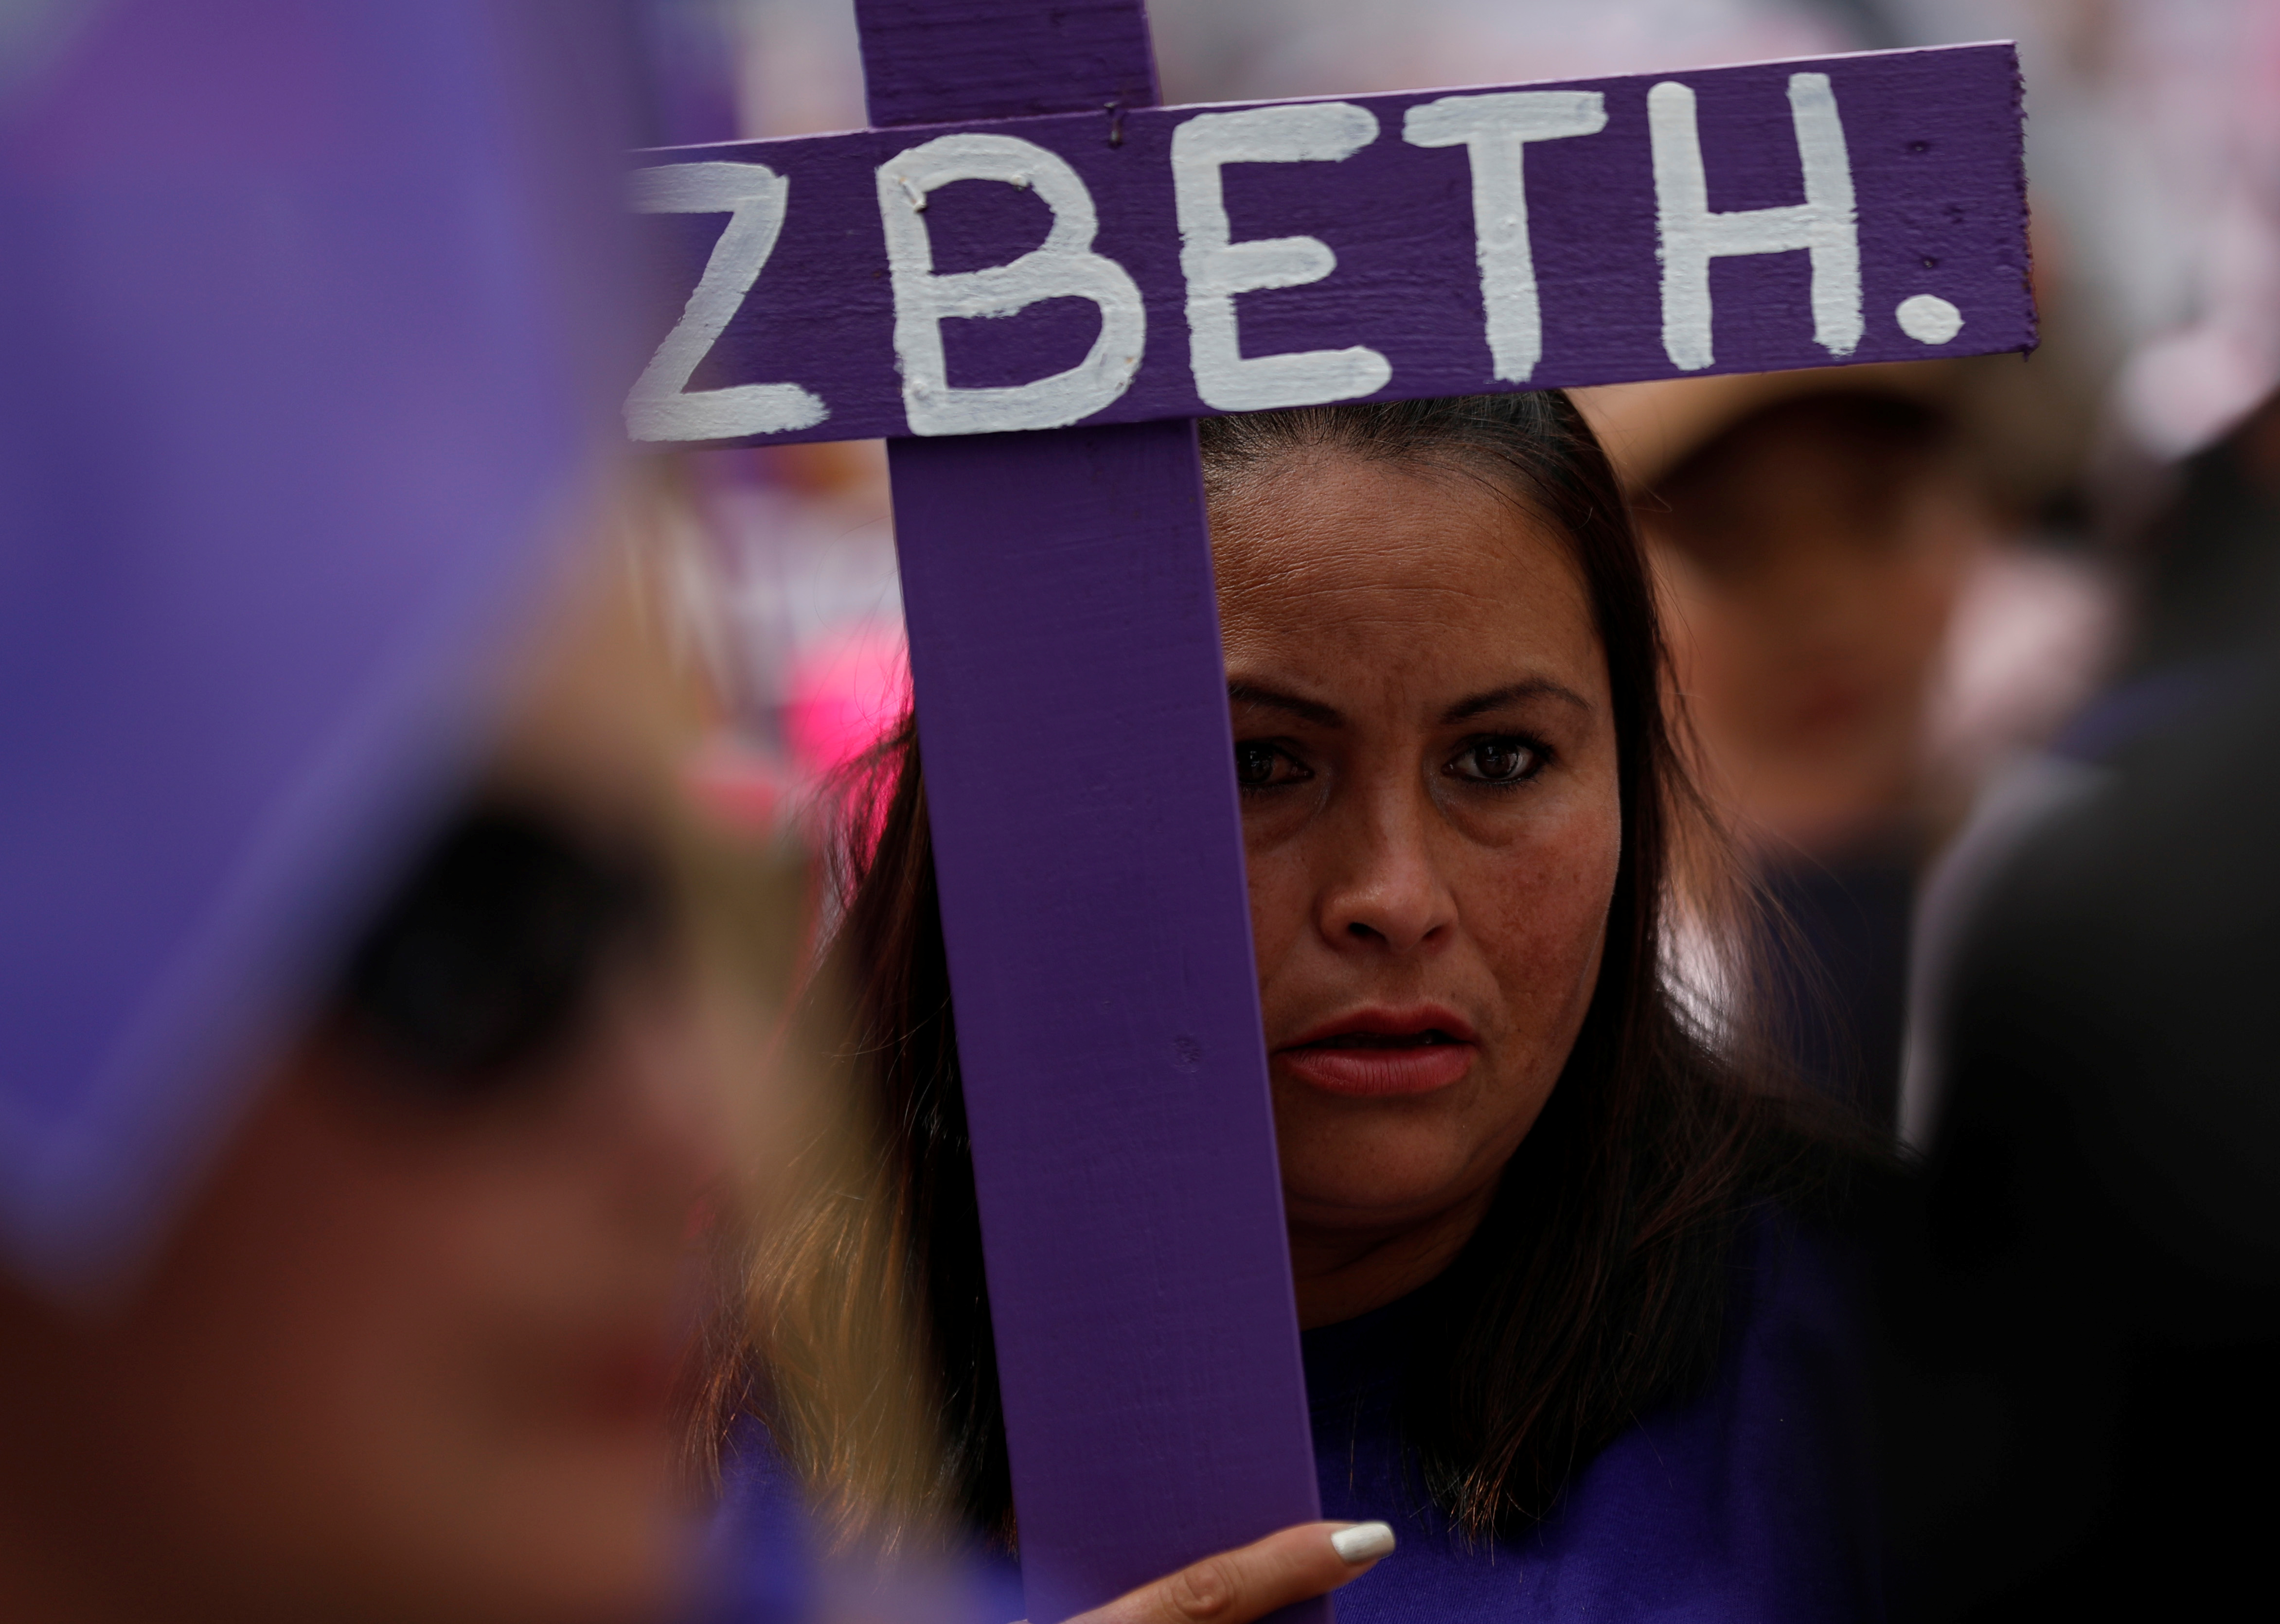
x=1692, y=236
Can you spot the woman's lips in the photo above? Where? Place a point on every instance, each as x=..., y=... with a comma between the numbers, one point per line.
x=1374, y=1054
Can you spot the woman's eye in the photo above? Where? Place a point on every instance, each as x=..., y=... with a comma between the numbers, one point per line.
x=1265, y=766
x=1497, y=761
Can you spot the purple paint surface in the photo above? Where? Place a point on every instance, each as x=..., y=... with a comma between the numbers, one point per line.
x=927, y=60
x=1933, y=139
x=1080, y=769
x=1079, y=772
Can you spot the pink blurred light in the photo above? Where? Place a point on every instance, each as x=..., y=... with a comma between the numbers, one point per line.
x=844, y=694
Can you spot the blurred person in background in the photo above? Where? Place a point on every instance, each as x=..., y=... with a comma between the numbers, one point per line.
x=352, y=1092
x=352, y=1100
x=2083, y=1309
x=1854, y=644
x=407, y=1352
x=2084, y=1312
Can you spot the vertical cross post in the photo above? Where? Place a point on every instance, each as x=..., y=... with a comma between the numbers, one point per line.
x=1072, y=711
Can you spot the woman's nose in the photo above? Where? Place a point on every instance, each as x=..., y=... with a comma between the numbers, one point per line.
x=665, y=1105
x=1392, y=897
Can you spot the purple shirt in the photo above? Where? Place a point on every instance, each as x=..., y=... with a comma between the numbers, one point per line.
x=1751, y=1501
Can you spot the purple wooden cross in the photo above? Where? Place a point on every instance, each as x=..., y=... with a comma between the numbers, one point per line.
x=1059, y=255
x=1080, y=776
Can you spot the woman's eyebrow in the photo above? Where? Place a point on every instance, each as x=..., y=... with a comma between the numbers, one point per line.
x=1535, y=687
x=1248, y=693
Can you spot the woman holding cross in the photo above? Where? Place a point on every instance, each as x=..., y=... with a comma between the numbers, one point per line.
x=1574, y=1307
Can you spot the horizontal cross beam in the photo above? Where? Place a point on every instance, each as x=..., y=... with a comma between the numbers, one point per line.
x=1123, y=265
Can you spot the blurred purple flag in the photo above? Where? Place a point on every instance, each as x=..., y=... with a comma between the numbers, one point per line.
x=305, y=319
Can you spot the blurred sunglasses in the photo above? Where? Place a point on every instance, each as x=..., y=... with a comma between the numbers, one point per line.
x=484, y=965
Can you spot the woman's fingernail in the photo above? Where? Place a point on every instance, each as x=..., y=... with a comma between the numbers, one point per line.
x=1364, y=1541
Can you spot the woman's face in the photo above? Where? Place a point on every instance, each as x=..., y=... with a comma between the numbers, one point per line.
x=1427, y=752
x=409, y=1352
x=1810, y=577
x=417, y=1354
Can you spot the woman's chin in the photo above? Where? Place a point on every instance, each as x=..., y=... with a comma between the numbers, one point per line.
x=633, y=1563
x=1360, y=1164
x=1335, y=1180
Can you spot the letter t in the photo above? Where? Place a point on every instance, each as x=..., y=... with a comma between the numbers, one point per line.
x=1495, y=130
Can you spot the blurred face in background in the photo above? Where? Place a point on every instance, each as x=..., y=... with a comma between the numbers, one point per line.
x=409, y=1353
x=1811, y=556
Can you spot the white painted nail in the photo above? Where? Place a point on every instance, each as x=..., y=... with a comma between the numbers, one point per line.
x=1364, y=1541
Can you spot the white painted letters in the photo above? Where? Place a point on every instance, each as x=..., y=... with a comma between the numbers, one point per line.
x=1693, y=236
x=1063, y=266
x=1929, y=319
x=1217, y=268
x=1495, y=129
x=661, y=406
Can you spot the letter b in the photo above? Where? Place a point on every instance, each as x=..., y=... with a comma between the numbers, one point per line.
x=1063, y=266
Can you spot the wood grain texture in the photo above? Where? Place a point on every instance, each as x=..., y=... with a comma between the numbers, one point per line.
x=1002, y=59
x=1072, y=711
x=1935, y=144
x=1080, y=764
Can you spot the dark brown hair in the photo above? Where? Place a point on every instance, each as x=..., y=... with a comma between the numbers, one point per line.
x=1597, y=1284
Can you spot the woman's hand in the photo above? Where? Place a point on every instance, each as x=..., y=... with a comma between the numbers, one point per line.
x=1235, y=1587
